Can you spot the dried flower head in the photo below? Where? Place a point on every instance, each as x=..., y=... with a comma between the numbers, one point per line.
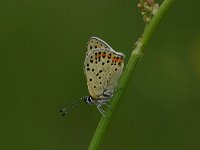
x=148, y=9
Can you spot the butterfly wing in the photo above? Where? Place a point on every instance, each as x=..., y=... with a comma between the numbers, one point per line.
x=103, y=68
x=96, y=43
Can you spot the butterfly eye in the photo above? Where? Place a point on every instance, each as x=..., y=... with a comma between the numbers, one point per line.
x=89, y=100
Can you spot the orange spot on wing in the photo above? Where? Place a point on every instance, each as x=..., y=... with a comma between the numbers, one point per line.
x=120, y=60
x=98, y=56
x=103, y=55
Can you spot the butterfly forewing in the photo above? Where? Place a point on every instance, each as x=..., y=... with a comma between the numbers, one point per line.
x=103, y=68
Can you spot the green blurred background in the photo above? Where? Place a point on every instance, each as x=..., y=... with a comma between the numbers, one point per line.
x=42, y=49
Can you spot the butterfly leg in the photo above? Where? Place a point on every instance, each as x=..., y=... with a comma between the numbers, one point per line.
x=105, y=101
x=101, y=110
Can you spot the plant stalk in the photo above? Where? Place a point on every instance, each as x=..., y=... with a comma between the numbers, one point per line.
x=136, y=55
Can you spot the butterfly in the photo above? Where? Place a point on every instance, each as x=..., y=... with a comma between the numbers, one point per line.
x=103, y=67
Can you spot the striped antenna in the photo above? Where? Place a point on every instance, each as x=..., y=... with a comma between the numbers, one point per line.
x=67, y=109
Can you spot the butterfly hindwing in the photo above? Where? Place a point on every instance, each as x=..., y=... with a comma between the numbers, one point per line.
x=96, y=43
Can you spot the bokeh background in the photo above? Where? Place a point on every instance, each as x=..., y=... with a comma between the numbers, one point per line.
x=42, y=50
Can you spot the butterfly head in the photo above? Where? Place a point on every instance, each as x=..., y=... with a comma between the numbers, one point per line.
x=88, y=100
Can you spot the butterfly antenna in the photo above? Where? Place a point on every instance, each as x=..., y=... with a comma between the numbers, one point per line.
x=67, y=109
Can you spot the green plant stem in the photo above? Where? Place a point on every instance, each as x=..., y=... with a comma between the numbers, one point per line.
x=128, y=71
